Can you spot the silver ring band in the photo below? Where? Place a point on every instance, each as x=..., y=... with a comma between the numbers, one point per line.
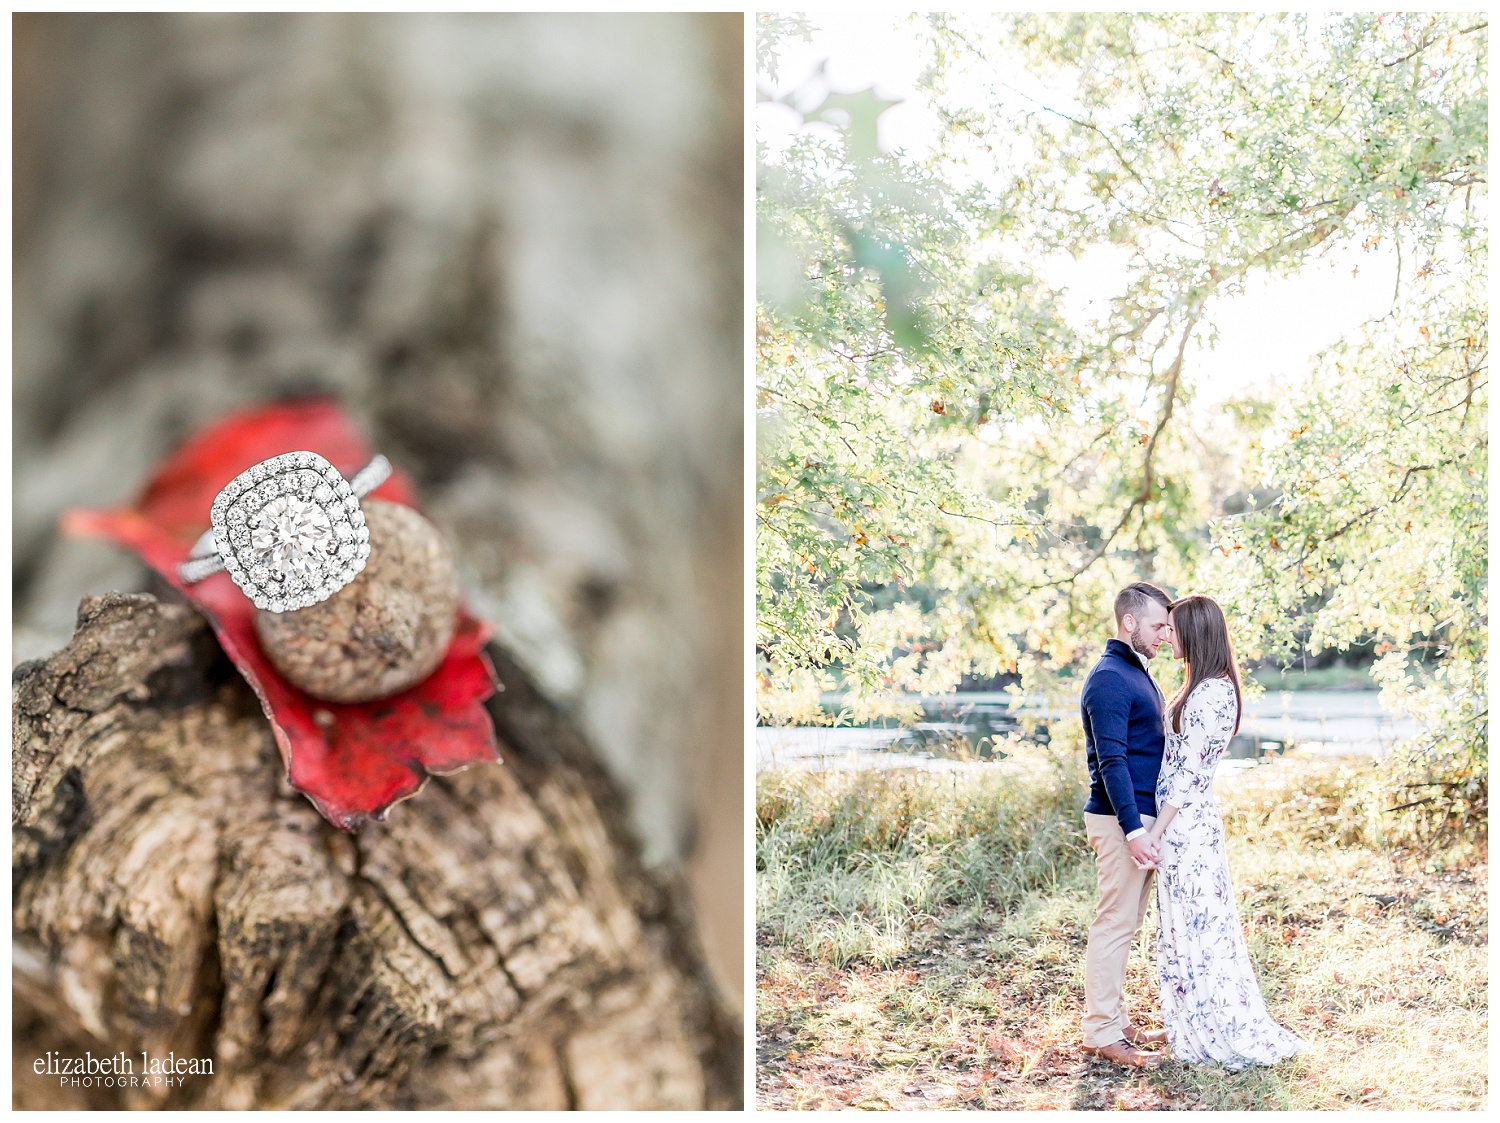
x=289, y=530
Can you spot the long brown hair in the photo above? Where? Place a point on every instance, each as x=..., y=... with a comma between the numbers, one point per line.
x=1203, y=640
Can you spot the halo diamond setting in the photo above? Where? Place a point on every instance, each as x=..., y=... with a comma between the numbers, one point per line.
x=289, y=530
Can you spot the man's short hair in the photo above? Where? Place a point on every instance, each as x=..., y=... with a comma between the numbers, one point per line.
x=1133, y=597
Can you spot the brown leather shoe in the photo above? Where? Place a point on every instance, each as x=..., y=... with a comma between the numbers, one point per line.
x=1135, y=1035
x=1127, y=1056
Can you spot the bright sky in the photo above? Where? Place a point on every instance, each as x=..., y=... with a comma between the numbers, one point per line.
x=1267, y=336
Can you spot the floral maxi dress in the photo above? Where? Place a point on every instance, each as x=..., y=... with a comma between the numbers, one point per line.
x=1210, y=999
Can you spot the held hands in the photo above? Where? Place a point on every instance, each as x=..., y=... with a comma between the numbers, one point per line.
x=1145, y=849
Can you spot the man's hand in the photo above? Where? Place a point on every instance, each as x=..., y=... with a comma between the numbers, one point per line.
x=1144, y=850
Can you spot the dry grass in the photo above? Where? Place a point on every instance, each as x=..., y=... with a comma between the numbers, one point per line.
x=975, y=1003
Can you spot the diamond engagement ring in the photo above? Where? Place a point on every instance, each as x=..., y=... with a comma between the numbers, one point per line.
x=289, y=530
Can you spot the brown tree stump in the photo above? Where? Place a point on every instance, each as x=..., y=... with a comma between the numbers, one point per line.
x=494, y=944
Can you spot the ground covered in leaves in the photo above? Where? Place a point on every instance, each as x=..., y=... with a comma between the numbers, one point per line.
x=1377, y=959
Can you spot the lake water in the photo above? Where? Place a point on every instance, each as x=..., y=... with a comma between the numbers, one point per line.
x=960, y=730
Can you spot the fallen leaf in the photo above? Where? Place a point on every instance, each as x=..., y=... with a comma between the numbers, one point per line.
x=354, y=762
x=1012, y=1052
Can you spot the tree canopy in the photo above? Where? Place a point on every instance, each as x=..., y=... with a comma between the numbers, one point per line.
x=955, y=476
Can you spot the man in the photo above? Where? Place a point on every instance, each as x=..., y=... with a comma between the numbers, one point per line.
x=1124, y=736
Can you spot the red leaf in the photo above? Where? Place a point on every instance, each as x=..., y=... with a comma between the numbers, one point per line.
x=353, y=761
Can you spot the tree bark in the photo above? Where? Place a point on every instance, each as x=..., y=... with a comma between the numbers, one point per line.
x=510, y=244
x=494, y=944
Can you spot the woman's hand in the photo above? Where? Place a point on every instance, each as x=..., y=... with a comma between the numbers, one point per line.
x=1144, y=850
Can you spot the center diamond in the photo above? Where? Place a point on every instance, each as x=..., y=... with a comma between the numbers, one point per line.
x=291, y=537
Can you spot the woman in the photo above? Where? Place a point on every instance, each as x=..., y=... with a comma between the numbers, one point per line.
x=1210, y=999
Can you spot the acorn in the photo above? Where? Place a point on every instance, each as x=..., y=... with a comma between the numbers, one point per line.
x=386, y=630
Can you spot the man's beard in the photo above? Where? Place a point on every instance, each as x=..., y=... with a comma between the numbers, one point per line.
x=1140, y=645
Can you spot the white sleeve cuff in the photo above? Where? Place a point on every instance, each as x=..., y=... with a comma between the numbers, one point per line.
x=1134, y=833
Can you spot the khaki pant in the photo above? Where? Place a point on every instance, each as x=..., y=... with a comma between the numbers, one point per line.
x=1124, y=892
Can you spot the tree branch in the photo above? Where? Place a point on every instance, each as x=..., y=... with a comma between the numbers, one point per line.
x=1406, y=482
x=1425, y=43
x=1148, y=471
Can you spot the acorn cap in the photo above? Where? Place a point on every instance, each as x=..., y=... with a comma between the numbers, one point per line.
x=386, y=630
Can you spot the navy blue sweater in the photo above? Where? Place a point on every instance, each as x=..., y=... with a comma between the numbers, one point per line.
x=1124, y=736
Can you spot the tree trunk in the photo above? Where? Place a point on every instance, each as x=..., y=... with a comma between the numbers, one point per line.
x=510, y=244
x=494, y=944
